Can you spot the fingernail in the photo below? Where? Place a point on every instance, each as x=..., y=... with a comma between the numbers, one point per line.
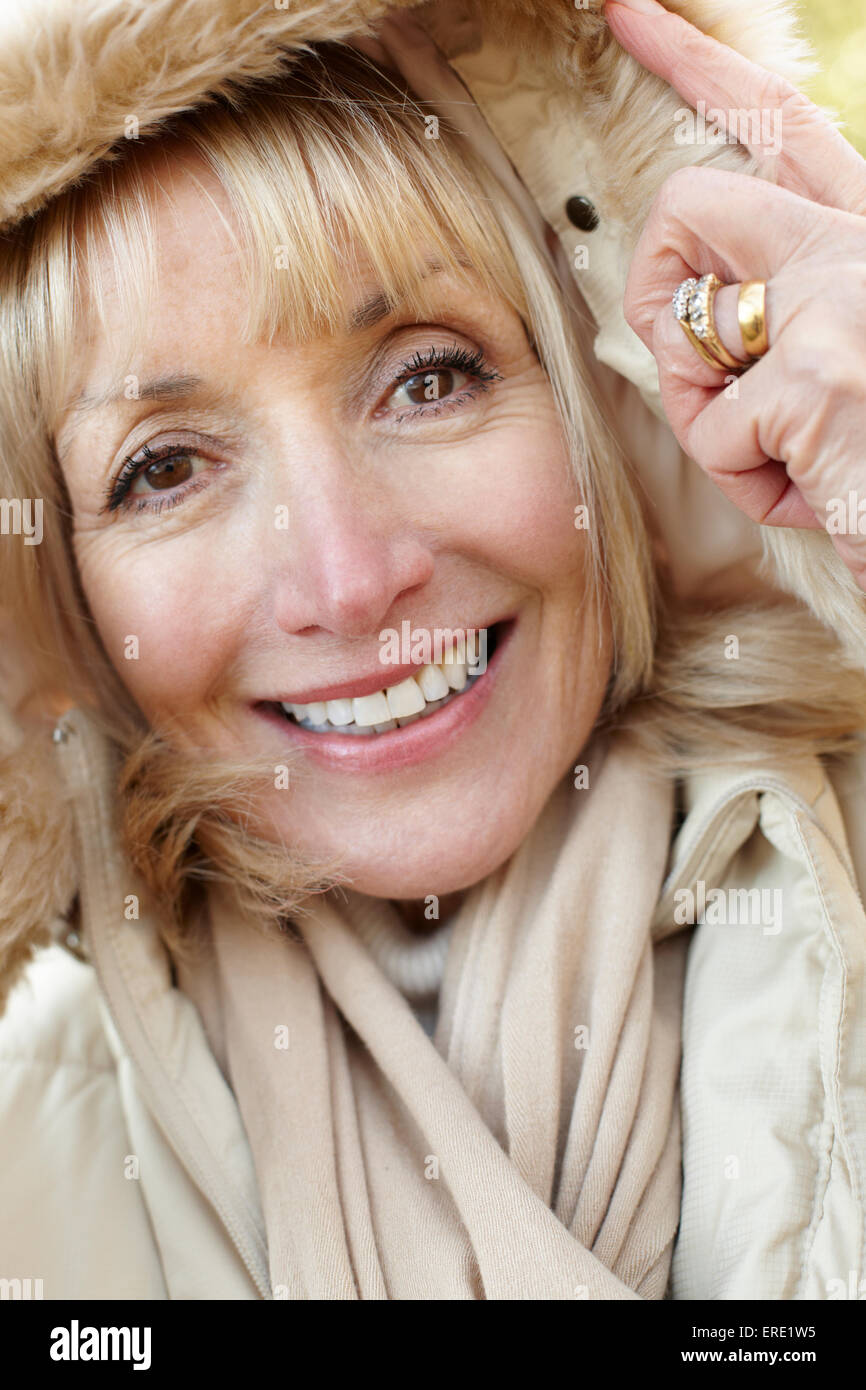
x=642, y=6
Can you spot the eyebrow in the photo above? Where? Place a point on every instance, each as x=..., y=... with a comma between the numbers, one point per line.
x=378, y=306
x=162, y=388
x=177, y=386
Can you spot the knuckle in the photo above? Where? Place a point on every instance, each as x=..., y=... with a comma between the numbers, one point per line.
x=824, y=361
x=688, y=190
x=678, y=188
x=634, y=306
x=776, y=90
x=639, y=293
x=796, y=107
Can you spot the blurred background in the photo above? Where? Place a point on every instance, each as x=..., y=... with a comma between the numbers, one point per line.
x=837, y=31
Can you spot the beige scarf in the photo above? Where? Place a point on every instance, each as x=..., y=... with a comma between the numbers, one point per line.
x=532, y=1148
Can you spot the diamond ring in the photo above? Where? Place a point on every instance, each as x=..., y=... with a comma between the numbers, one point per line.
x=693, y=310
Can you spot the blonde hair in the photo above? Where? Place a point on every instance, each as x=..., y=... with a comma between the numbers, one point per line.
x=332, y=154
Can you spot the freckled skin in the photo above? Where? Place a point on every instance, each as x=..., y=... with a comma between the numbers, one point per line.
x=445, y=519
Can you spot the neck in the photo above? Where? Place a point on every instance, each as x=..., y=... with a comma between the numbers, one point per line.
x=422, y=916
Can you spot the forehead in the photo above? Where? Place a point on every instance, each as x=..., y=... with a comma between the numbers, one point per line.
x=199, y=256
x=195, y=292
x=192, y=267
x=179, y=205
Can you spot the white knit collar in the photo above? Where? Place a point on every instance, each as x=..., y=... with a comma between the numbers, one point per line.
x=414, y=963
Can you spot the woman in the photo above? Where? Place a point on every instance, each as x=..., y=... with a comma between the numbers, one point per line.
x=341, y=965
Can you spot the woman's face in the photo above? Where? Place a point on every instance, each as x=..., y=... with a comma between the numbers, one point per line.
x=317, y=496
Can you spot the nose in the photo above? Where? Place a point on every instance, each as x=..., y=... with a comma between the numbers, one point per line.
x=347, y=555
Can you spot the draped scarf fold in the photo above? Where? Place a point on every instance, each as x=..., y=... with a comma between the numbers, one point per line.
x=531, y=1148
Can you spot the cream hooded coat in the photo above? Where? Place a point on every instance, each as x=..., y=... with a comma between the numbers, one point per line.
x=125, y=1170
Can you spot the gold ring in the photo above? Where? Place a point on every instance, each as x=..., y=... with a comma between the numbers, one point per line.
x=702, y=320
x=699, y=347
x=693, y=310
x=752, y=317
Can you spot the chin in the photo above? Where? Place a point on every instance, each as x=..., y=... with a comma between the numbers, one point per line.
x=450, y=864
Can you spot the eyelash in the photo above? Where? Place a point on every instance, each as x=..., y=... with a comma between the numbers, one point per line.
x=471, y=364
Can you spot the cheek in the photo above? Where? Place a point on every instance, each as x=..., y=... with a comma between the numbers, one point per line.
x=517, y=497
x=165, y=614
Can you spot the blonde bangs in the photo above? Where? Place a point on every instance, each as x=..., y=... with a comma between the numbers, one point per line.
x=333, y=172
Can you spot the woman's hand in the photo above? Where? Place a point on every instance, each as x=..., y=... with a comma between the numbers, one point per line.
x=786, y=441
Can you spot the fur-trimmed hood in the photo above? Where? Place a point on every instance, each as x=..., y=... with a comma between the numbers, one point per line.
x=547, y=94
x=73, y=71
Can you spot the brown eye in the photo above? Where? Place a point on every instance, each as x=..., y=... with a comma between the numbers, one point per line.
x=168, y=472
x=432, y=384
x=172, y=473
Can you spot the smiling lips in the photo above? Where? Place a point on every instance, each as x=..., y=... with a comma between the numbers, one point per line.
x=390, y=707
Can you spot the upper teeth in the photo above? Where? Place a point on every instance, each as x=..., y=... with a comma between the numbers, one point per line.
x=401, y=703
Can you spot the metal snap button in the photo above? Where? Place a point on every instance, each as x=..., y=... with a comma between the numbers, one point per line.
x=582, y=213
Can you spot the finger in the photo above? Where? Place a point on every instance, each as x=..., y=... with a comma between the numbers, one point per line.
x=738, y=427
x=750, y=104
x=725, y=313
x=719, y=429
x=688, y=379
x=767, y=495
x=733, y=439
x=698, y=223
